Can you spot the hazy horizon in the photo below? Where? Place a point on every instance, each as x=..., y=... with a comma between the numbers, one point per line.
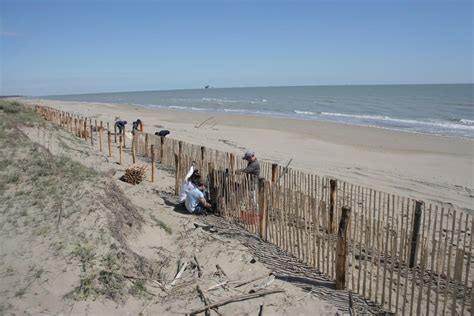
x=250, y=87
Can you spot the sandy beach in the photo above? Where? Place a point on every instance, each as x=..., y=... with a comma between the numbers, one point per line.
x=431, y=168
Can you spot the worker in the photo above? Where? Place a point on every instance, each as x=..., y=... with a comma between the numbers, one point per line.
x=189, y=182
x=196, y=202
x=120, y=125
x=253, y=166
x=137, y=126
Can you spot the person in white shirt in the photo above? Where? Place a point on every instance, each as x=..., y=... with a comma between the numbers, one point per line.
x=188, y=182
x=196, y=200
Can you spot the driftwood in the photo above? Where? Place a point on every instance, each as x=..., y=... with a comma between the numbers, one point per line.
x=198, y=266
x=236, y=299
x=179, y=273
x=219, y=268
x=217, y=286
x=253, y=280
x=205, y=300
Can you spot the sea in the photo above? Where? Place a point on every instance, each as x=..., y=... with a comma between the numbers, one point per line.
x=438, y=109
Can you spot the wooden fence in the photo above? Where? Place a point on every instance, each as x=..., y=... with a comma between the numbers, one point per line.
x=408, y=256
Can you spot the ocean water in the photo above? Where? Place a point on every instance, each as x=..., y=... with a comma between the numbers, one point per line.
x=444, y=109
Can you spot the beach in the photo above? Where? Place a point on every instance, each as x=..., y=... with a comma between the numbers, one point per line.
x=426, y=167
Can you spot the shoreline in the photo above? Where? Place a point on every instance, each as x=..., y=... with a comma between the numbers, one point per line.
x=274, y=115
x=428, y=167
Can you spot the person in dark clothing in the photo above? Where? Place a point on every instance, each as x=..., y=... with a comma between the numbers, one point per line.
x=162, y=133
x=120, y=125
x=253, y=166
x=137, y=126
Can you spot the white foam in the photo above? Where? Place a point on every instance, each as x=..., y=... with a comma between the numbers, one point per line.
x=304, y=112
x=441, y=124
x=466, y=121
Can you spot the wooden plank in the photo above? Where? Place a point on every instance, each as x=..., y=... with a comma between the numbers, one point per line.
x=448, y=275
x=405, y=298
x=433, y=254
x=332, y=202
x=458, y=269
x=152, y=162
x=109, y=141
x=313, y=221
x=442, y=257
x=423, y=258
x=385, y=248
x=468, y=269
x=394, y=234
x=371, y=209
x=360, y=250
x=366, y=240
x=378, y=248
x=341, y=249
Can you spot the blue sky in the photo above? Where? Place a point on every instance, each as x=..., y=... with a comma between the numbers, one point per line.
x=64, y=47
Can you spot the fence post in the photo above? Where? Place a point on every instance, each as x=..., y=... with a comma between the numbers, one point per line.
x=109, y=139
x=115, y=133
x=180, y=148
x=341, y=248
x=176, y=182
x=92, y=135
x=134, y=144
x=232, y=162
x=120, y=150
x=332, y=203
x=100, y=139
x=123, y=137
x=152, y=163
x=162, y=142
x=262, y=210
x=146, y=144
x=274, y=172
x=85, y=129
x=203, y=154
x=212, y=186
x=415, y=233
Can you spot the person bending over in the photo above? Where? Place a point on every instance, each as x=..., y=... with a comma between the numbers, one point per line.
x=120, y=125
x=189, y=181
x=196, y=201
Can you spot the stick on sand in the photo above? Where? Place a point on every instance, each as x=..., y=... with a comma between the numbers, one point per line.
x=236, y=299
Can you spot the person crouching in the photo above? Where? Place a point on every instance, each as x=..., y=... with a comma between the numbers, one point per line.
x=196, y=202
x=189, y=183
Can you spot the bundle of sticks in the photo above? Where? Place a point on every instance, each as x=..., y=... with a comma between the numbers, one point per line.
x=134, y=174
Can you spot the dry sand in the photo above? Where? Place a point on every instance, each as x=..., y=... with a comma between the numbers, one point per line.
x=49, y=251
x=431, y=168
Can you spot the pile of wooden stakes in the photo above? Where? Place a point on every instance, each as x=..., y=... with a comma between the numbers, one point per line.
x=134, y=174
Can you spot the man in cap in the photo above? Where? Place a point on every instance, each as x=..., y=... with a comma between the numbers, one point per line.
x=253, y=166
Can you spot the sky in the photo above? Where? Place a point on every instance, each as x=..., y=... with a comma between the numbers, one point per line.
x=73, y=46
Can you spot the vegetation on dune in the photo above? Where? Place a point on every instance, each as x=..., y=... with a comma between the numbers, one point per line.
x=80, y=212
